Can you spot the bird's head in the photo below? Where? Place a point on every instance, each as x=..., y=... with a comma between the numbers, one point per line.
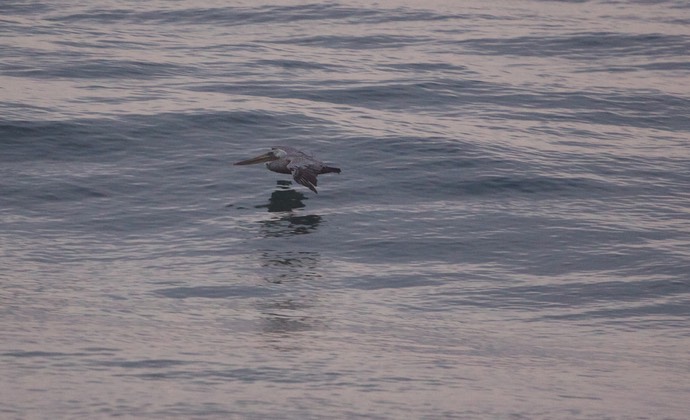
x=274, y=154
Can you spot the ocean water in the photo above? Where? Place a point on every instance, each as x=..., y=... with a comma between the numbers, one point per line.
x=509, y=236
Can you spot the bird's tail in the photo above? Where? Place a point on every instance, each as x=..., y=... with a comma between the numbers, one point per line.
x=329, y=169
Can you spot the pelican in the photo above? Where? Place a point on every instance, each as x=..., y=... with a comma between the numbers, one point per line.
x=287, y=160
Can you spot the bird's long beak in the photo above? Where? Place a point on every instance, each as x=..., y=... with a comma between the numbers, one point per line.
x=261, y=158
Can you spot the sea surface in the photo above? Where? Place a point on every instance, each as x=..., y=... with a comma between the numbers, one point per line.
x=509, y=237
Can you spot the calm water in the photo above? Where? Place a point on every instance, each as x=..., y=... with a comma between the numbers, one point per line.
x=509, y=237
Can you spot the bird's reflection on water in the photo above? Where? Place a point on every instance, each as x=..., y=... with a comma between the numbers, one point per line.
x=289, y=313
x=285, y=266
x=285, y=200
x=290, y=225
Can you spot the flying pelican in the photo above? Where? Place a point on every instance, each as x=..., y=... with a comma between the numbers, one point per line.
x=287, y=160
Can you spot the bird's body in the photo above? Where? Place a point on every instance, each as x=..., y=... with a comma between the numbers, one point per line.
x=287, y=160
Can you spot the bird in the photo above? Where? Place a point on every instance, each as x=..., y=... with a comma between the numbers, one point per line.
x=288, y=160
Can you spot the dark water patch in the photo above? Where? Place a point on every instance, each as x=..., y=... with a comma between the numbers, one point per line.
x=101, y=350
x=394, y=96
x=95, y=15
x=398, y=247
x=53, y=191
x=242, y=375
x=463, y=168
x=11, y=7
x=578, y=244
x=293, y=65
x=386, y=281
x=586, y=45
x=541, y=185
x=214, y=292
x=141, y=364
x=355, y=42
x=23, y=61
x=234, y=127
x=405, y=14
x=580, y=294
x=462, y=186
x=666, y=311
x=41, y=354
x=249, y=375
x=683, y=66
x=496, y=102
x=631, y=109
x=623, y=298
x=264, y=14
x=98, y=69
x=417, y=68
x=221, y=15
x=60, y=140
x=658, y=120
x=8, y=27
x=643, y=102
x=412, y=94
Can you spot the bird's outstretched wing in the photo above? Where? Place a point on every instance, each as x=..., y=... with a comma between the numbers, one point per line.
x=304, y=172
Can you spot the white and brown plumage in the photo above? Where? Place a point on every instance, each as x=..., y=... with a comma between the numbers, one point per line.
x=287, y=160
